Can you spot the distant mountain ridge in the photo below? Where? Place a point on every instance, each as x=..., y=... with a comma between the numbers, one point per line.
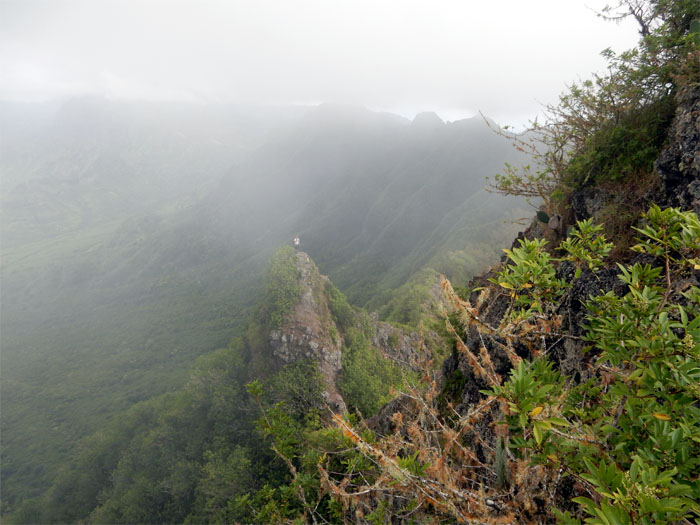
x=364, y=188
x=131, y=246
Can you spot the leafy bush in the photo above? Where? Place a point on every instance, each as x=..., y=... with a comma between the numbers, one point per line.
x=301, y=446
x=343, y=314
x=366, y=376
x=298, y=386
x=530, y=278
x=623, y=148
x=641, y=418
x=586, y=246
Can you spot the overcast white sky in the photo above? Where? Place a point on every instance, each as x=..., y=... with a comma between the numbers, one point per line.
x=455, y=57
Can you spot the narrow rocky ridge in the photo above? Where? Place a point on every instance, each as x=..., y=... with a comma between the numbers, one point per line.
x=309, y=331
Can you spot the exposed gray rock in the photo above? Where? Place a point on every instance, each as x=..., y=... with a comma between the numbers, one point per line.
x=554, y=222
x=587, y=202
x=307, y=332
x=399, y=346
x=679, y=162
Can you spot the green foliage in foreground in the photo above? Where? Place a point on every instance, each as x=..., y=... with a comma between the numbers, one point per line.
x=632, y=430
x=531, y=277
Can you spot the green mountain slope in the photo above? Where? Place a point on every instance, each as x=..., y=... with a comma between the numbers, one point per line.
x=180, y=456
x=113, y=281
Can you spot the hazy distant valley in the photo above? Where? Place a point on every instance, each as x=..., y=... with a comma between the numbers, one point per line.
x=134, y=237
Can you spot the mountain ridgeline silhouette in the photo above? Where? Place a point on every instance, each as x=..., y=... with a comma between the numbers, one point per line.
x=368, y=191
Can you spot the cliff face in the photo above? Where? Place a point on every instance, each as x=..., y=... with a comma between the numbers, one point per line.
x=309, y=331
x=396, y=344
x=679, y=162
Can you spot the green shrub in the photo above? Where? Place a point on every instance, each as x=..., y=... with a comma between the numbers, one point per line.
x=639, y=415
x=343, y=314
x=586, y=246
x=530, y=278
x=283, y=288
x=624, y=148
x=366, y=376
x=298, y=386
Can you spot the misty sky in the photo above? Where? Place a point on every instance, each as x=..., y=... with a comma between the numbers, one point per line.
x=503, y=57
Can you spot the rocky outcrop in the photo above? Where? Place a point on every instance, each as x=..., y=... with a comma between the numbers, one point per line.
x=309, y=332
x=404, y=348
x=587, y=202
x=679, y=162
x=677, y=181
